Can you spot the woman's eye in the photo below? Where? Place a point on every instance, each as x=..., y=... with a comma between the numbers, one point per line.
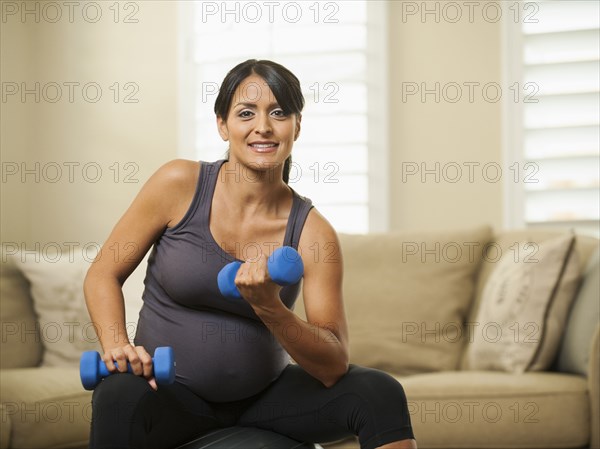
x=245, y=114
x=279, y=113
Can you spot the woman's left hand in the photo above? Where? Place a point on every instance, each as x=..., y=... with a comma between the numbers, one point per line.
x=255, y=284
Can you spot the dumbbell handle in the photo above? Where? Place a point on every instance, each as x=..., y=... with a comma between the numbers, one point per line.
x=285, y=267
x=104, y=372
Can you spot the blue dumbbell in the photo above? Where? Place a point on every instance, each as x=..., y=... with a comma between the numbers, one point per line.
x=92, y=368
x=285, y=268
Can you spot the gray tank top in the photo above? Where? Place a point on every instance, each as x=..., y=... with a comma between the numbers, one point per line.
x=223, y=350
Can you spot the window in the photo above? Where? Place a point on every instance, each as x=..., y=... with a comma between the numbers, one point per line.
x=338, y=51
x=553, y=52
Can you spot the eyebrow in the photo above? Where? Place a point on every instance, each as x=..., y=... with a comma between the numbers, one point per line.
x=253, y=105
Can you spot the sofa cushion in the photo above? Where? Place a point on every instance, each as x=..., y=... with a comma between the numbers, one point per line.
x=47, y=407
x=486, y=409
x=525, y=302
x=21, y=344
x=406, y=295
x=582, y=322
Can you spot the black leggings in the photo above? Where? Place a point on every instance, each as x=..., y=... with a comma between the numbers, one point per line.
x=128, y=413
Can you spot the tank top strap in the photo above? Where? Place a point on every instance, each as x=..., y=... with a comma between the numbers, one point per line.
x=208, y=180
x=301, y=206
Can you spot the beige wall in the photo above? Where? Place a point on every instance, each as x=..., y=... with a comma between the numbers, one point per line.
x=145, y=133
x=16, y=121
x=426, y=132
x=82, y=205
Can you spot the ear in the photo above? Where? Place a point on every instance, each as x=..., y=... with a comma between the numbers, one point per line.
x=222, y=126
x=298, y=120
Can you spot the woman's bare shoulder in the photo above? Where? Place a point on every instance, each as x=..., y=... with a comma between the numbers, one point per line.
x=175, y=183
x=177, y=173
x=318, y=234
x=170, y=189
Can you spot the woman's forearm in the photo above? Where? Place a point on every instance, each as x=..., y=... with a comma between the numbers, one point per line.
x=106, y=306
x=314, y=348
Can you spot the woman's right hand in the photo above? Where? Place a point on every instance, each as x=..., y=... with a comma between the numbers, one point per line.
x=116, y=360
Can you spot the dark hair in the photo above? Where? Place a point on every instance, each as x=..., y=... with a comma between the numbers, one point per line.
x=283, y=83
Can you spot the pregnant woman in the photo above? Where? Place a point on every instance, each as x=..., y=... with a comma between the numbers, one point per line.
x=234, y=356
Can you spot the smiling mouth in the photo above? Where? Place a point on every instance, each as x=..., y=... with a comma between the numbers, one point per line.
x=264, y=147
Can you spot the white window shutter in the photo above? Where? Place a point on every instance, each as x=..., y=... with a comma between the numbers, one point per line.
x=558, y=58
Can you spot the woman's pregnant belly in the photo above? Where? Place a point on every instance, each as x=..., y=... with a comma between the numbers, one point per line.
x=219, y=356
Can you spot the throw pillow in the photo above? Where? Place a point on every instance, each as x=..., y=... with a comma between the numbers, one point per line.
x=56, y=286
x=524, y=307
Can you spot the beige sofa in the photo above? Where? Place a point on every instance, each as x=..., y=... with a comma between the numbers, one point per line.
x=412, y=300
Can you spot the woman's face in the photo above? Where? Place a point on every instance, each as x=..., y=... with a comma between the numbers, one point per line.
x=258, y=132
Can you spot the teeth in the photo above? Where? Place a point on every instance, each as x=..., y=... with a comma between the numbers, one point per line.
x=260, y=145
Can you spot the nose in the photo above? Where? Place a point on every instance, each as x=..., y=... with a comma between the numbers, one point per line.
x=263, y=126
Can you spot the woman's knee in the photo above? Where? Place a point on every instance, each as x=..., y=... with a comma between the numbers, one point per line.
x=119, y=394
x=377, y=405
x=114, y=404
x=374, y=385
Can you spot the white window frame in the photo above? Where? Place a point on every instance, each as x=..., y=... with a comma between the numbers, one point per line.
x=512, y=120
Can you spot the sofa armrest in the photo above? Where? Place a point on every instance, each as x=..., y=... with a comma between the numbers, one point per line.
x=5, y=428
x=594, y=389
